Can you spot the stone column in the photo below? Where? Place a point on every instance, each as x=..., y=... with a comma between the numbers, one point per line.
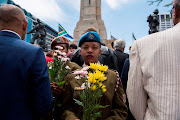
x=90, y=16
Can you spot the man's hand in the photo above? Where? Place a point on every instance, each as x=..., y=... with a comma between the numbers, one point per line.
x=57, y=90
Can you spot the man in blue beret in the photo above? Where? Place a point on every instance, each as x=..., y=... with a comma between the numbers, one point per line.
x=114, y=97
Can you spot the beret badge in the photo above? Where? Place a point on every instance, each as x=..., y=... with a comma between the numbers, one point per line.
x=90, y=36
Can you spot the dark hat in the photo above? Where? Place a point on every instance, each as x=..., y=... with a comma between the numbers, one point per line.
x=59, y=40
x=89, y=37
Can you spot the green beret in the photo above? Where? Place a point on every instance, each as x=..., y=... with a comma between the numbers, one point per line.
x=89, y=37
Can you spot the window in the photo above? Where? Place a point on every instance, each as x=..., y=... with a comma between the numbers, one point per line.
x=167, y=17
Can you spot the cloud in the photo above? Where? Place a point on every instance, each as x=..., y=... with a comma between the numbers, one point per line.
x=115, y=4
x=43, y=9
x=74, y=4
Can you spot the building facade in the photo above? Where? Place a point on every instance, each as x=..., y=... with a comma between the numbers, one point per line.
x=51, y=33
x=165, y=21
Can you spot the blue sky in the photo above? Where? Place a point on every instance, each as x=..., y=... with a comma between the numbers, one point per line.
x=121, y=17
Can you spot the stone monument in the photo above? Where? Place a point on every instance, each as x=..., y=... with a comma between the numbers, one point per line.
x=90, y=16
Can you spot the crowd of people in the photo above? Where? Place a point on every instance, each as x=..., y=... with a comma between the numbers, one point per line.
x=142, y=85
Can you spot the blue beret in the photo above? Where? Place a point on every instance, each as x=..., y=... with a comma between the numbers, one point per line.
x=89, y=37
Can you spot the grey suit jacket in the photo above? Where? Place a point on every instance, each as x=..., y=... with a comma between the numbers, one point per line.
x=153, y=87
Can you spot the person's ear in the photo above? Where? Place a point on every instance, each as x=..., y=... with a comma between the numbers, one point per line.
x=123, y=49
x=25, y=25
x=80, y=52
x=100, y=52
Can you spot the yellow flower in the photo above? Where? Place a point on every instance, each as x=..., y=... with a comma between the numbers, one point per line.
x=97, y=74
x=90, y=75
x=94, y=66
x=104, y=89
x=102, y=78
x=103, y=68
x=103, y=86
x=100, y=84
x=91, y=78
x=93, y=87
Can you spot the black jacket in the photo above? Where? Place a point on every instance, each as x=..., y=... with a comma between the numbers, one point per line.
x=121, y=57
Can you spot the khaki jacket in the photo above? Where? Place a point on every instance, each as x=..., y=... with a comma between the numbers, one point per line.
x=117, y=109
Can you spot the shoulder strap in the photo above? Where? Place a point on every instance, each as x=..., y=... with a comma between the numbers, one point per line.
x=118, y=81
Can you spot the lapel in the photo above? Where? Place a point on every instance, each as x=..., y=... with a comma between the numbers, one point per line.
x=9, y=34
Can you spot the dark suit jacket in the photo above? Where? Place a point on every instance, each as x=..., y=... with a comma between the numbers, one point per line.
x=124, y=79
x=121, y=58
x=25, y=92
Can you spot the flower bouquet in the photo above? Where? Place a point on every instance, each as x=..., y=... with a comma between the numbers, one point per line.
x=58, y=68
x=92, y=90
x=57, y=72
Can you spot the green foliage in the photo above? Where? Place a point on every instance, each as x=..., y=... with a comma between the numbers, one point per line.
x=61, y=83
x=57, y=72
x=92, y=91
x=167, y=5
x=90, y=102
x=78, y=102
x=151, y=2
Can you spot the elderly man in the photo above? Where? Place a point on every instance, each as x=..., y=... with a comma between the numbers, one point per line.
x=25, y=86
x=90, y=44
x=119, y=46
x=154, y=75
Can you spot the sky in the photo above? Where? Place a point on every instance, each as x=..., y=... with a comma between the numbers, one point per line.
x=121, y=17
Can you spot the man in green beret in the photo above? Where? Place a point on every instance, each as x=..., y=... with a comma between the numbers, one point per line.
x=114, y=97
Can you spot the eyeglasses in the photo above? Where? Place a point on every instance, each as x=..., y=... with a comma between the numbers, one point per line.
x=177, y=5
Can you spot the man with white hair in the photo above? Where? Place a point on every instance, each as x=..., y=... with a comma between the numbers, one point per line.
x=119, y=46
x=153, y=88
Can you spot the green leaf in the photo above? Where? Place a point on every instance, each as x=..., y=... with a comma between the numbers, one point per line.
x=78, y=102
x=61, y=83
x=168, y=5
x=59, y=105
x=96, y=115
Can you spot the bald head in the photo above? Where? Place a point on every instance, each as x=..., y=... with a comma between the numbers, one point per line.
x=13, y=18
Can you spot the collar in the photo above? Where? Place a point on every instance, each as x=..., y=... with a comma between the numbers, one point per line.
x=118, y=50
x=10, y=31
x=84, y=65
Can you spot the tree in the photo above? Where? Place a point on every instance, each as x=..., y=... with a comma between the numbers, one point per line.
x=151, y=2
